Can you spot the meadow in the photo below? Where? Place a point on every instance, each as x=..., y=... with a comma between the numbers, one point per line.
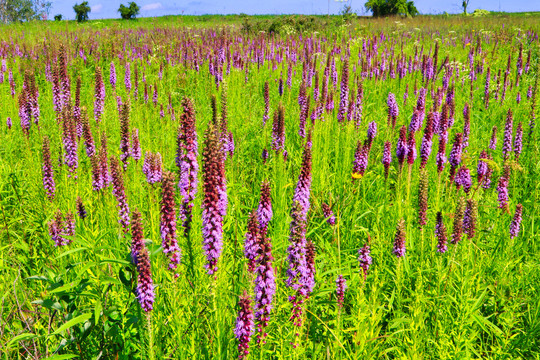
x=270, y=188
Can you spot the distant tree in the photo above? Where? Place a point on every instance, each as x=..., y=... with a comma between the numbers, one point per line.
x=81, y=11
x=58, y=17
x=129, y=12
x=464, y=4
x=391, y=7
x=23, y=10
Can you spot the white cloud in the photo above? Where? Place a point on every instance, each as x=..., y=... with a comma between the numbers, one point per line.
x=153, y=6
x=96, y=8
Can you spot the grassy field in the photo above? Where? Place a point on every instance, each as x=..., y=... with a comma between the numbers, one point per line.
x=229, y=95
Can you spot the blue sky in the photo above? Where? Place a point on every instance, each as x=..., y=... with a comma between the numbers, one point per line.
x=109, y=8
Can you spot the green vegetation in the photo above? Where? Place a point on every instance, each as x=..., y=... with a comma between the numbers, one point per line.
x=478, y=300
x=129, y=12
x=81, y=11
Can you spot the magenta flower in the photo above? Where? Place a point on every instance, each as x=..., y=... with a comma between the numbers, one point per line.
x=328, y=214
x=341, y=286
x=112, y=75
x=508, y=129
x=399, y=240
x=48, y=173
x=213, y=205
x=168, y=221
x=152, y=167
x=516, y=222
x=264, y=211
x=387, y=158
x=364, y=259
x=440, y=233
x=118, y=191
x=244, y=325
x=145, y=285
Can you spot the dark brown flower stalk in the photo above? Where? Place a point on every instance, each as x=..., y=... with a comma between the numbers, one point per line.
x=427, y=140
x=399, y=239
x=458, y=221
x=266, y=102
x=278, y=129
x=124, y=135
x=119, y=193
x=186, y=160
x=137, y=241
x=77, y=108
x=440, y=232
x=213, y=205
x=81, y=209
x=48, y=173
x=423, y=198
x=105, y=177
x=168, y=221
x=87, y=135
x=265, y=284
x=264, y=211
x=469, y=218
x=251, y=241
x=244, y=325
x=135, y=150
x=97, y=183
x=99, y=93
x=213, y=104
x=71, y=158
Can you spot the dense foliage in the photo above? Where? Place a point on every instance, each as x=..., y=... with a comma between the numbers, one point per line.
x=391, y=7
x=23, y=10
x=81, y=11
x=129, y=12
x=198, y=191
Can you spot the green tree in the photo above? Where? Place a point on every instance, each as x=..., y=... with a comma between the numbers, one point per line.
x=129, y=12
x=464, y=4
x=391, y=7
x=58, y=17
x=23, y=10
x=81, y=11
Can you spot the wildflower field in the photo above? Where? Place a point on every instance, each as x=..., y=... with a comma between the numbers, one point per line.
x=181, y=189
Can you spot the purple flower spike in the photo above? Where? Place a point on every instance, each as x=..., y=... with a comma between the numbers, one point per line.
x=328, y=214
x=502, y=188
x=463, y=178
x=440, y=233
x=112, y=75
x=399, y=240
x=251, y=242
x=341, y=286
x=213, y=205
x=145, y=285
x=168, y=221
x=393, y=110
x=244, y=325
x=364, y=259
x=387, y=158
x=265, y=284
x=120, y=195
x=516, y=222
x=264, y=211
x=508, y=129
x=48, y=173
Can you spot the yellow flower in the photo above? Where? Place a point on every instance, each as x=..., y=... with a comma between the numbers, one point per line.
x=468, y=44
x=356, y=175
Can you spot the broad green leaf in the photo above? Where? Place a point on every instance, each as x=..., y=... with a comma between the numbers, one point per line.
x=79, y=319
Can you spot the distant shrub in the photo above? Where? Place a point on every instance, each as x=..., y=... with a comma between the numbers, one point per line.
x=284, y=25
x=481, y=12
x=129, y=12
x=81, y=11
x=58, y=17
